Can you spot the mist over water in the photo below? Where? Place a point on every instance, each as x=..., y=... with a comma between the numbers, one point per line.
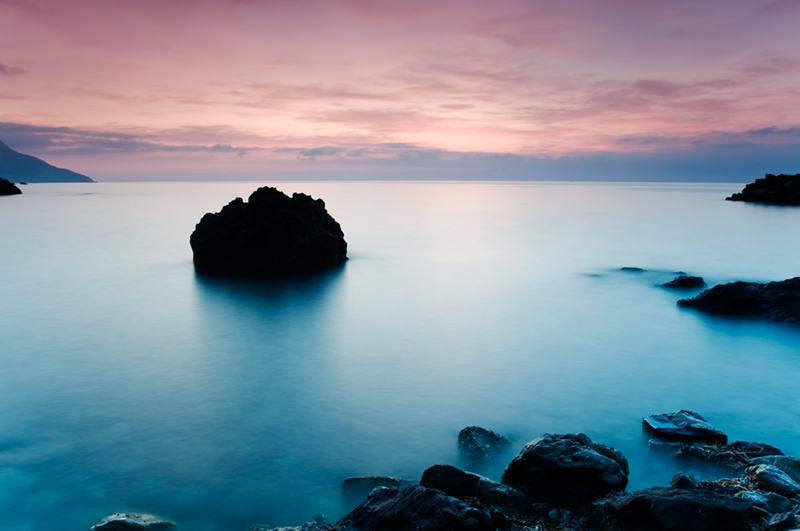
x=129, y=383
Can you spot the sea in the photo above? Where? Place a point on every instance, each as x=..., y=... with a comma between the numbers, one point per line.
x=129, y=384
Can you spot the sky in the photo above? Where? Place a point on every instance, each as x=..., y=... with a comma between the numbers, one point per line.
x=703, y=90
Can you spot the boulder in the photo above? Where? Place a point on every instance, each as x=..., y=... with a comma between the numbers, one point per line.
x=683, y=481
x=772, y=479
x=775, y=301
x=736, y=454
x=566, y=470
x=270, y=234
x=667, y=509
x=774, y=189
x=8, y=188
x=479, y=445
x=133, y=522
x=460, y=484
x=683, y=425
x=413, y=508
x=782, y=522
x=684, y=282
x=787, y=463
x=770, y=502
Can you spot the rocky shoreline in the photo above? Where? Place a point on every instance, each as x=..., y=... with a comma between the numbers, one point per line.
x=772, y=189
x=570, y=483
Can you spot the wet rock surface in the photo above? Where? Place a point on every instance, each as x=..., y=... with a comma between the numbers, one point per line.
x=774, y=301
x=683, y=425
x=773, y=189
x=770, y=478
x=479, y=445
x=133, y=522
x=270, y=234
x=8, y=188
x=736, y=454
x=666, y=509
x=684, y=282
x=566, y=470
x=458, y=483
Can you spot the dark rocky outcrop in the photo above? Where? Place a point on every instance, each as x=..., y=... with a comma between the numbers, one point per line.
x=787, y=463
x=270, y=234
x=774, y=189
x=460, y=484
x=17, y=167
x=770, y=478
x=479, y=445
x=683, y=425
x=737, y=454
x=8, y=188
x=413, y=508
x=566, y=470
x=133, y=522
x=775, y=301
x=668, y=509
x=684, y=282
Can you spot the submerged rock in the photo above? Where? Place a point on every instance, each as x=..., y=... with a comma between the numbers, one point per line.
x=683, y=425
x=133, y=522
x=567, y=470
x=775, y=301
x=478, y=444
x=8, y=188
x=775, y=189
x=413, y=508
x=270, y=234
x=669, y=509
x=684, y=282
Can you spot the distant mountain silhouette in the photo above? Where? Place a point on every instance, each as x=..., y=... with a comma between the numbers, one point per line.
x=19, y=168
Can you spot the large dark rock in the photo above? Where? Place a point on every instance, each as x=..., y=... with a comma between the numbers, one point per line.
x=776, y=301
x=413, y=508
x=737, y=454
x=684, y=282
x=668, y=509
x=270, y=234
x=683, y=425
x=774, y=189
x=787, y=463
x=460, y=484
x=8, y=188
x=133, y=522
x=770, y=478
x=566, y=470
x=479, y=445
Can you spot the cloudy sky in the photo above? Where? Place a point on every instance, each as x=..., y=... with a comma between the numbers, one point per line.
x=540, y=89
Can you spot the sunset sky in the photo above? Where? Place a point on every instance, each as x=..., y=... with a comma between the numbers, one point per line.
x=508, y=89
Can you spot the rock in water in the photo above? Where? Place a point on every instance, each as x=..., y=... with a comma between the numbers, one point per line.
x=270, y=234
x=776, y=189
x=775, y=301
x=8, y=188
x=683, y=425
x=567, y=470
x=684, y=282
x=133, y=522
x=479, y=444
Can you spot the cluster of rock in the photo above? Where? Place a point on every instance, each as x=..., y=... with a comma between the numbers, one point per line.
x=684, y=282
x=8, y=188
x=775, y=301
x=269, y=234
x=775, y=189
x=479, y=445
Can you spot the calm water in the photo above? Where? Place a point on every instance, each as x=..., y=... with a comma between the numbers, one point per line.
x=127, y=383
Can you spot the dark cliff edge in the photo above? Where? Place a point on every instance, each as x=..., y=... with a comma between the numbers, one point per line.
x=772, y=189
x=18, y=167
x=8, y=188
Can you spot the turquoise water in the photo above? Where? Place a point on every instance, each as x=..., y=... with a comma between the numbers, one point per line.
x=127, y=383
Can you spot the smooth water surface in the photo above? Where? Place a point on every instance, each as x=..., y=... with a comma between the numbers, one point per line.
x=128, y=383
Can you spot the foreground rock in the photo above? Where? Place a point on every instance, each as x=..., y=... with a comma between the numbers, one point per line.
x=770, y=478
x=787, y=463
x=774, y=189
x=683, y=425
x=669, y=509
x=8, y=188
x=133, y=522
x=413, y=508
x=775, y=301
x=566, y=470
x=459, y=484
x=479, y=445
x=270, y=234
x=684, y=282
